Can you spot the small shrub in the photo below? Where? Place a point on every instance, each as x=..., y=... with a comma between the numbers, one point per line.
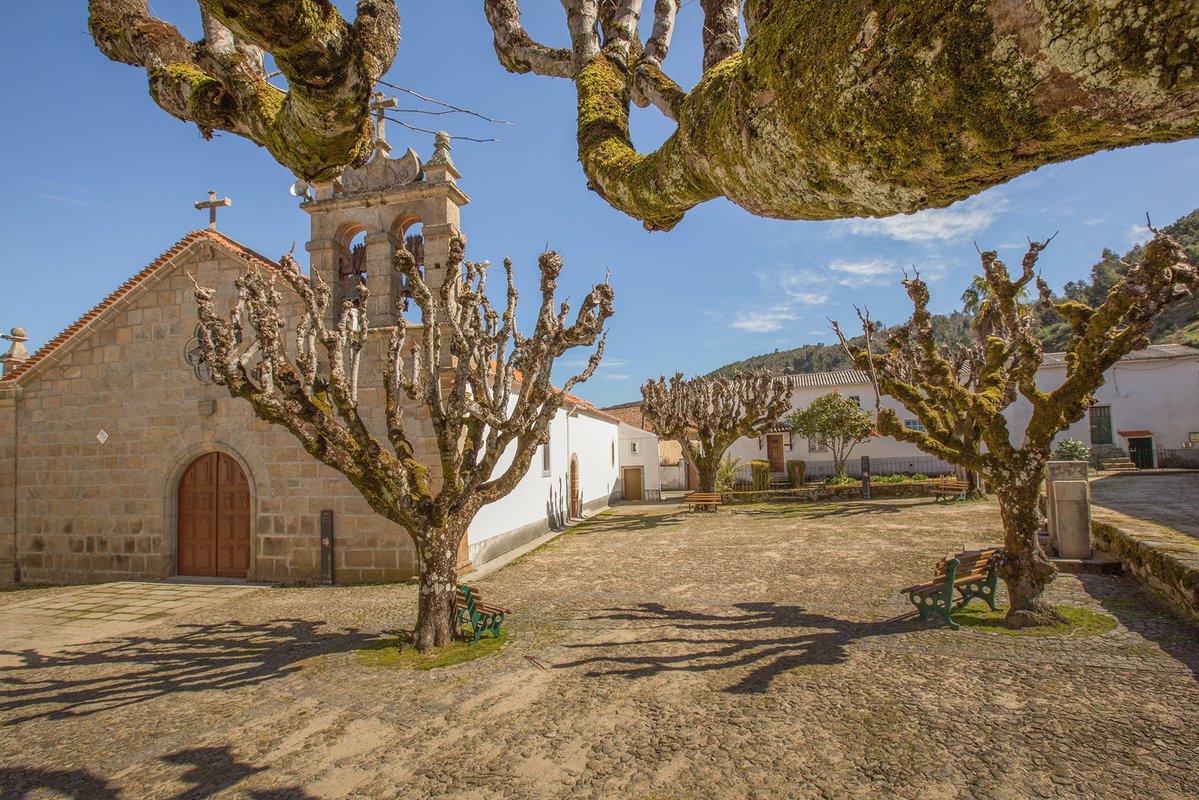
x=726, y=474
x=1072, y=450
x=760, y=471
x=798, y=472
x=839, y=480
x=918, y=477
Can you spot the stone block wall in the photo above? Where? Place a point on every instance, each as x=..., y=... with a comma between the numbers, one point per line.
x=89, y=511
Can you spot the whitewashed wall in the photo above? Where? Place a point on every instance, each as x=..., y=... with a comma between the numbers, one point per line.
x=1161, y=396
x=541, y=500
x=797, y=449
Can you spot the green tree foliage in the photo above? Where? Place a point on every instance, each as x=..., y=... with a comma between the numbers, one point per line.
x=1072, y=450
x=837, y=421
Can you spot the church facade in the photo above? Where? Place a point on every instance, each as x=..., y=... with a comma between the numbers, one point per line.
x=120, y=459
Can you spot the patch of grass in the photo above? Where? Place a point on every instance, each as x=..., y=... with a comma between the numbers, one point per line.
x=398, y=652
x=1079, y=622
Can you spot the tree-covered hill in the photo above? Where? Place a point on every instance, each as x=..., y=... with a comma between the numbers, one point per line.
x=1179, y=324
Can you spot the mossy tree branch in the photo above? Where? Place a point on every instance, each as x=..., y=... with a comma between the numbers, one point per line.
x=484, y=385
x=315, y=128
x=871, y=108
x=960, y=396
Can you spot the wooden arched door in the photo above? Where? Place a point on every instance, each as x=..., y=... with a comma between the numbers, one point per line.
x=576, y=491
x=214, y=518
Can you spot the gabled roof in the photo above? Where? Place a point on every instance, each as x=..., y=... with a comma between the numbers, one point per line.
x=817, y=380
x=1150, y=353
x=132, y=288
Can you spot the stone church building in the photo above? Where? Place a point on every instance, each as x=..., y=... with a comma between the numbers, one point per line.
x=119, y=458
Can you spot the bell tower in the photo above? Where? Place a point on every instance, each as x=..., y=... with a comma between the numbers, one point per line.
x=389, y=200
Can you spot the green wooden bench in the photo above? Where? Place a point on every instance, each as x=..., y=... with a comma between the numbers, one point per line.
x=708, y=501
x=950, y=489
x=481, y=616
x=971, y=574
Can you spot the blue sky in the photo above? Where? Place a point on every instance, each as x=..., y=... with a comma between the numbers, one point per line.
x=100, y=181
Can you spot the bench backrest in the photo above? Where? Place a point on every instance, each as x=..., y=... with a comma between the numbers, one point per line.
x=951, y=484
x=703, y=496
x=462, y=598
x=971, y=562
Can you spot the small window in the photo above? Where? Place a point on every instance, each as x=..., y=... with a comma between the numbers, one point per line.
x=816, y=446
x=545, y=457
x=633, y=447
x=857, y=400
x=614, y=452
x=914, y=425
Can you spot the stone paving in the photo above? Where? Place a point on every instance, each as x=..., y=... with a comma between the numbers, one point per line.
x=757, y=652
x=48, y=621
x=1168, y=500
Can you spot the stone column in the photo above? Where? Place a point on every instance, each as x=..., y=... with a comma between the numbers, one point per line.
x=382, y=279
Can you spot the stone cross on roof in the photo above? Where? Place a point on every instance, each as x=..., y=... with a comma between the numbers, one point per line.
x=379, y=104
x=212, y=204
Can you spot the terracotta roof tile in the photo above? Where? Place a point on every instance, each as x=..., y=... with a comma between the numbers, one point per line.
x=123, y=290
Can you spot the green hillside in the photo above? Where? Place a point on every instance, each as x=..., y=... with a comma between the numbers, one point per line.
x=1179, y=324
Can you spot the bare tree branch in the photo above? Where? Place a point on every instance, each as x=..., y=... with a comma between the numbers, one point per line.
x=485, y=387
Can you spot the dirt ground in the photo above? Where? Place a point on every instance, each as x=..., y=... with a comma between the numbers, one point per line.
x=761, y=651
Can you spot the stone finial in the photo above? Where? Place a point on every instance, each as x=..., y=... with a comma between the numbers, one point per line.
x=440, y=166
x=16, y=353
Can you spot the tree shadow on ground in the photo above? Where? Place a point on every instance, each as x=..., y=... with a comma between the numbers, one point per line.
x=765, y=640
x=1140, y=612
x=821, y=511
x=632, y=522
x=213, y=770
x=18, y=783
x=133, y=669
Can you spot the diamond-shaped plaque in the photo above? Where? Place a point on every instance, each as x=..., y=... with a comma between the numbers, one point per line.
x=102, y=436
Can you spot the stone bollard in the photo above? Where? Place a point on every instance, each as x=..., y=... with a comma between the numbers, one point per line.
x=1072, y=517
x=1056, y=472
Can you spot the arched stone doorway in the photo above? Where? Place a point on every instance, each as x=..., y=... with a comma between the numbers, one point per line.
x=214, y=518
x=576, y=490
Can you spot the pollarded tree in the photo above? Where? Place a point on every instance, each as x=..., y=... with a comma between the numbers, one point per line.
x=837, y=422
x=929, y=382
x=707, y=415
x=485, y=386
x=862, y=107
x=315, y=128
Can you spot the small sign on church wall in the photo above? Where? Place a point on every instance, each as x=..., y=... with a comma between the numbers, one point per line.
x=102, y=436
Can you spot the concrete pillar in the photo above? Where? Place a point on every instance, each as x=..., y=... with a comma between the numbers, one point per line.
x=1056, y=472
x=1072, y=515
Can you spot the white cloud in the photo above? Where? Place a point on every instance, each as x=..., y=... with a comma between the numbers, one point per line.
x=959, y=221
x=871, y=272
x=763, y=320
x=1139, y=233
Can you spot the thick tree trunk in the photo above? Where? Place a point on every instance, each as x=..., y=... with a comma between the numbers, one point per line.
x=438, y=552
x=705, y=470
x=1026, y=569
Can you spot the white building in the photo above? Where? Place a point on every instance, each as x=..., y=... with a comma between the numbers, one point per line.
x=573, y=475
x=640, y=475
x=1147, y=407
